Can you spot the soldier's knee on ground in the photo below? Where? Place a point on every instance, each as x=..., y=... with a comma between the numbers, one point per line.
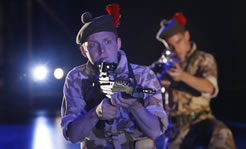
x=222, y=137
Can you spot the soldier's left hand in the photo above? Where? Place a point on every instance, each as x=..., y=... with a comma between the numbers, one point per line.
x=176, y=73
x=128, y=103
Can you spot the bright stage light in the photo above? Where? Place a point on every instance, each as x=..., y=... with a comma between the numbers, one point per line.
x=58, y=73
x=40, y=73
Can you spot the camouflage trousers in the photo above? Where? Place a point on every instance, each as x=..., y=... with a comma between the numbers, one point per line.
x=208, y=133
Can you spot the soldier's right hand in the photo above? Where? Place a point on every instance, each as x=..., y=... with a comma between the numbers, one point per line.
x=105, y=110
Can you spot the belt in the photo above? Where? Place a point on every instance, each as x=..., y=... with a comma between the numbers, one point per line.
x=180, y=120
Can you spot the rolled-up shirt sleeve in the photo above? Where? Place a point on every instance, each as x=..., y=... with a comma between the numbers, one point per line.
x=209, y=71
x=73, y=103
x=154, y=102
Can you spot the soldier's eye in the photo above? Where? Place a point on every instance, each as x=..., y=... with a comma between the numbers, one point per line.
x=92, y=45
x=108, y=41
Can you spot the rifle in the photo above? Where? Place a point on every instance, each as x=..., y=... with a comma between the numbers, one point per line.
x=110, y=85
x=161, y=68
x=166, y=62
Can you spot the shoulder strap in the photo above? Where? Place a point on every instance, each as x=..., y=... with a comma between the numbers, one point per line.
x=189, y=60
x=131, y=74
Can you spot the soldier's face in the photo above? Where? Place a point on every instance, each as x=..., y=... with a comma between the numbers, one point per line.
x=180, y=43
x=102, y=47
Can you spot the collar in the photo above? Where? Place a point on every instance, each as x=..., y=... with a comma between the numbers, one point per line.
x=123, y=63
x=191, y=51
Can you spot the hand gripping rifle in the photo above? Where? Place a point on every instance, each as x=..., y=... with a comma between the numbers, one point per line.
x=109, y=85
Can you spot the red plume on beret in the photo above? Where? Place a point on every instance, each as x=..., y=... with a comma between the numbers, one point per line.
x=114, y=11
x=179, y=17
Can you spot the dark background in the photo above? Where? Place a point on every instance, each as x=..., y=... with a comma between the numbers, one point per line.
x=43, y=32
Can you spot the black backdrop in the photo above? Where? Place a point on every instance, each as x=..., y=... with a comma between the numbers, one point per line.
x=217, y=27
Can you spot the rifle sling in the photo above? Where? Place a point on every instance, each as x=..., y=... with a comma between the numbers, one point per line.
x=131, y=74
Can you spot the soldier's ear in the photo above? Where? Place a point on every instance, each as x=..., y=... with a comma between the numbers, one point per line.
x=187, y=35
x=83, y=51
x=118, y=43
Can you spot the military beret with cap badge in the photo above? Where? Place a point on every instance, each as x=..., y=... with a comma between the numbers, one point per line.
x=99, y=24
x=171, y=27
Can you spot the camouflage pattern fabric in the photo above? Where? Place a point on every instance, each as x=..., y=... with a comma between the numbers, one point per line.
x=202, y=65
x=124, y=132
x=186, y=104
x=204, y=134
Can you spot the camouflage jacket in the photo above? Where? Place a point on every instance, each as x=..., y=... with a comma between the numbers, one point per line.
x=187, y=100
x=79, y=99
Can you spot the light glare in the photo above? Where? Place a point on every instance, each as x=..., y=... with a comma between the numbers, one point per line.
x=40, y=73
x=58, y=73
